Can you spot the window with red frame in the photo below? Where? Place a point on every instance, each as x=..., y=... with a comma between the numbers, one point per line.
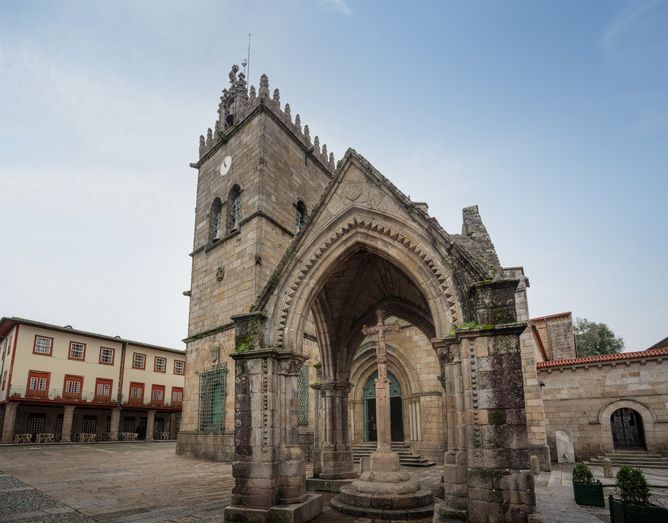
x=103, y=389
x=107, y=355
x=160, y=364
x=38, y=384
x=158, y=394
x=77, y=351
x=72, y=387
x=138, y=360
x=177, y=395
x=43, y=345
x=136, y=392
x=179, y=367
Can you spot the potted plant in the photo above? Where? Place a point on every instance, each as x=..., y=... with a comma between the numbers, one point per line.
x=587, y=490
x=634, y=505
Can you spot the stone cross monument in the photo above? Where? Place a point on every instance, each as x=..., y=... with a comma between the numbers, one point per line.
x=382, y=383
x=385, y=491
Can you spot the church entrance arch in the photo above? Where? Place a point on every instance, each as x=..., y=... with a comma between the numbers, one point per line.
x=396, y=409
x=627, y=429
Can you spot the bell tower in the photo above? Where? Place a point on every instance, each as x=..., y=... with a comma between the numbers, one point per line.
x=259, y=175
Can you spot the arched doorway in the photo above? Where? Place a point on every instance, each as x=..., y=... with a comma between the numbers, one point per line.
x=396, y=409
x=627, y=429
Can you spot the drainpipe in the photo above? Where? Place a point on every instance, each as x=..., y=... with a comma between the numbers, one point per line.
x=119, y=396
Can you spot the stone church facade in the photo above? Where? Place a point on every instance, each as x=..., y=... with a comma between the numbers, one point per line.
x=293, y=255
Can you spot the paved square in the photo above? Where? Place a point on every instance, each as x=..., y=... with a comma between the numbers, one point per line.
x=133, y=482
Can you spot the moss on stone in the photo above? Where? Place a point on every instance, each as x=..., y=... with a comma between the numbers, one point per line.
x=497, y=417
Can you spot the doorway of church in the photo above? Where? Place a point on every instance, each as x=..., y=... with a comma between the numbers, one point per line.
x=627, y=429
x=396, y=409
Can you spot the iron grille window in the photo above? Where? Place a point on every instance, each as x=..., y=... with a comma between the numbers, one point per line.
x=89, y=424
x=128, y=424
x=212, y=394
x=302, y=383
x=35, y=423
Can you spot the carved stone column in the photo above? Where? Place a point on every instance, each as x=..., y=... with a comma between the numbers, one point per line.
x=291, y=463
x=336, y=453
x=455, y=462
x=317, y=429
x=490, y=478
x=269, y=470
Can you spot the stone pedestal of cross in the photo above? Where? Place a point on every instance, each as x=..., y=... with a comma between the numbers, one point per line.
x=382, y=383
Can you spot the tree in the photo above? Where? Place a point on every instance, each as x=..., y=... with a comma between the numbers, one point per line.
x=595, y=338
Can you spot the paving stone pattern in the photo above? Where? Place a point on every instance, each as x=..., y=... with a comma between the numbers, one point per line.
x=133, y=482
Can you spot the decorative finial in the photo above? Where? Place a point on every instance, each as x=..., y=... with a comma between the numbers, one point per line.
x=252, y=93
x=307, y=134
x=316, y=145
x=298, y=122
x=233, y=74
x=331, y=158
x=264, y=87
x=277, y=96
x=324, y=150
x=286, y=110
x=202, y=145
x=209, y=136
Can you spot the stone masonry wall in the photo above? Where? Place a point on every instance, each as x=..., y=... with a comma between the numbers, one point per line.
x=273, y=169
x=580, y=400
x=535, y=412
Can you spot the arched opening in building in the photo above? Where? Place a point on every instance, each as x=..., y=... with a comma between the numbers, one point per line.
x=396, y=409
x=627, y=429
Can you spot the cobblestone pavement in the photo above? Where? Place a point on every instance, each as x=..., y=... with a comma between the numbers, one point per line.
x=141, y=482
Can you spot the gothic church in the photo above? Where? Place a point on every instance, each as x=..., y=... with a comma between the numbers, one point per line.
x=293, y=255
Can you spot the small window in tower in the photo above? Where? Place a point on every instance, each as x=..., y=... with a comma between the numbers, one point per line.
x=216, y=220
x=300, y=216
x=234, y=209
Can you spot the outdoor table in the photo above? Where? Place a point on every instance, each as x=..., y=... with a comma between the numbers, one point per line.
x=45, y=437
x=23, y=438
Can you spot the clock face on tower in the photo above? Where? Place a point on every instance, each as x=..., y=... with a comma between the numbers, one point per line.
x=225, y=165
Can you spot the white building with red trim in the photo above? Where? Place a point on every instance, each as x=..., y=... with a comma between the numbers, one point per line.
x=59, y=382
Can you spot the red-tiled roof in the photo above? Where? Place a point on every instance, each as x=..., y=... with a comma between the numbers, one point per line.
x=602, y=358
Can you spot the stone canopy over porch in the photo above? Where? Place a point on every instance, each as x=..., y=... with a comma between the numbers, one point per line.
x=365, y=247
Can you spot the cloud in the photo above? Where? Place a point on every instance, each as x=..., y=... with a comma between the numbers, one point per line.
x=628, y=22
x=336, y=6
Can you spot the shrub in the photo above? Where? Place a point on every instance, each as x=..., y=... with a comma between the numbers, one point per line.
x=582, y=474
x=632, y=485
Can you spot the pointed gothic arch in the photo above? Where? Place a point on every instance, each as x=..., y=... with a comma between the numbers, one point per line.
x=381, y=235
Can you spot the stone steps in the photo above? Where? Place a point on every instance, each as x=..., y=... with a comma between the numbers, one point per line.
x=406, y=456
x=635, y=458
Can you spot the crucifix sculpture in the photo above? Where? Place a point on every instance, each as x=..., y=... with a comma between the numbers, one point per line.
x=382, y=383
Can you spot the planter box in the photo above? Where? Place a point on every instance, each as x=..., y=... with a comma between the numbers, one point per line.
x=589, y=494
x=621, y=512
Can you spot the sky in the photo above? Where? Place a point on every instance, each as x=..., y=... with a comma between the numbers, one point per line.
x=551, y=116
